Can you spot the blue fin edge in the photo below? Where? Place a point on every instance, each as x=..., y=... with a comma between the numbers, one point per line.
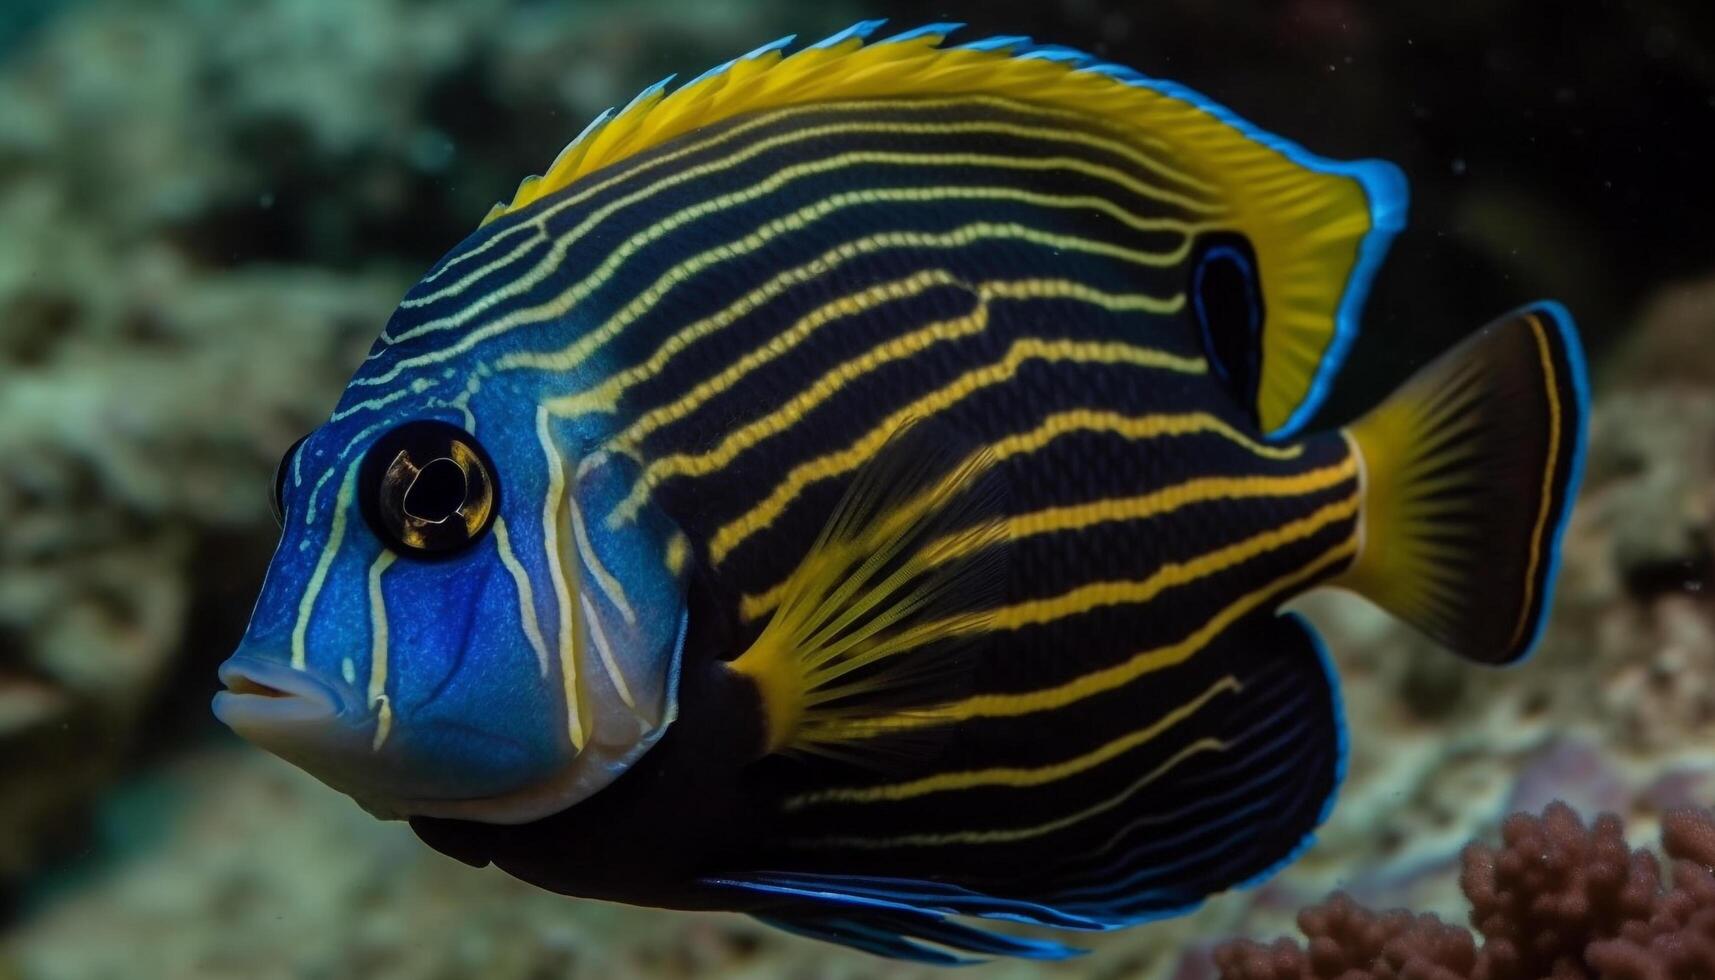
x=855, y=935
x=884, y=921
x=904, y=895
x=900, y=936
x=1580, y=377
x=1390, y=202
x=1342, y=750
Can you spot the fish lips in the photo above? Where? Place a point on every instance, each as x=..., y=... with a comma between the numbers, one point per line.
x=266, y=698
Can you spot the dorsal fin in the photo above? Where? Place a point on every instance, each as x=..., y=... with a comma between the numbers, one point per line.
x=1319, y=227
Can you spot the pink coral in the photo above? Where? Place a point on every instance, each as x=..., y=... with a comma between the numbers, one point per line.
x=1557, y=900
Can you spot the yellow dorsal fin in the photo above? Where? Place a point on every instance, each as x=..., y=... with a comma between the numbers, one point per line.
x=1319, y=227
x=762, y=79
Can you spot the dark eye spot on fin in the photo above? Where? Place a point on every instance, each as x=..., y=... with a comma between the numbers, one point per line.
x=1227, y=307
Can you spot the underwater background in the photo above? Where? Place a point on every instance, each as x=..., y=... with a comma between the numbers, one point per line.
x=208, y=209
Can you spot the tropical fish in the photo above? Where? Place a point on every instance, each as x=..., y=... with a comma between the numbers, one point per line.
x=859, y=487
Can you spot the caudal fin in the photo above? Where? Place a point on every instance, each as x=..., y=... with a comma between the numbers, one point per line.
x=1470, y=470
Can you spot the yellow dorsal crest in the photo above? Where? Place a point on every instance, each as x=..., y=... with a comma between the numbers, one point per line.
x=1319, y=227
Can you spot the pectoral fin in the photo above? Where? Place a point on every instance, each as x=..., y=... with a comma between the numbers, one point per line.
x=872, y=628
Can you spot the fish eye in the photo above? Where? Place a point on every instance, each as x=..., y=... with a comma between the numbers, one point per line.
x=277, y=499
x=427, y=489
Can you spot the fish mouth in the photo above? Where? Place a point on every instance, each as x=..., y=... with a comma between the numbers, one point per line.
x=263, y=695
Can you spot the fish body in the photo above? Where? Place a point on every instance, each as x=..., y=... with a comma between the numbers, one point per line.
x=859, y=489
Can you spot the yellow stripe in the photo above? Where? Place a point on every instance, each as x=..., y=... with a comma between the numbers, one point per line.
x=598, y=637
x=566, y=642
x=610, y=587
x=539, y=223
x=1015, y=776
x=833, y=464
x=797, y=220
x=1170, y=575
x=1550, y=381
x=1077, y=517
x=526, y=596
x=1144, y=662
x=321, y=481
x=1013, y=834
x=551, y=262
x=416, y=387
x=318, y=578
x=777, y=346
x=678, y=553
x=378, y=650
x=605, y=396
x=783, y=418
x=316, y=490
x=905, y=346
x=1096, y=595
x=576, y=353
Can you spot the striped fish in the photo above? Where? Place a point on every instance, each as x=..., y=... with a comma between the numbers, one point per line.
x=859, y=486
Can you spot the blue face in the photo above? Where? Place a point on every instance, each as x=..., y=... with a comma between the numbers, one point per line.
x=450, y=626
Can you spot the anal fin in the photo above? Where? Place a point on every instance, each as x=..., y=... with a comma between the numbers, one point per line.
x=902, y=936
x=1233, y=819
x=1244, y=812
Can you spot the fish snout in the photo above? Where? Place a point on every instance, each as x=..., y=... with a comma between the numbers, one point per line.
x=263, y=698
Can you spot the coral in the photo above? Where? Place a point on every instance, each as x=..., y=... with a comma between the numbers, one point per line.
x=1558, y=899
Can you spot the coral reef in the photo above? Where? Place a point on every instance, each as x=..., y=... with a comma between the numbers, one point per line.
x=1557, y=899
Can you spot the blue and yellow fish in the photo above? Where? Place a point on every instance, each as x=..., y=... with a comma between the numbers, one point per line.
x=858, y=488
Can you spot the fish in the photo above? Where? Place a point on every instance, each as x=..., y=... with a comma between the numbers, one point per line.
x=859, y=487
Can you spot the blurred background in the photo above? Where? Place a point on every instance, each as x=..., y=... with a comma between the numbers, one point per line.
x=208, y=209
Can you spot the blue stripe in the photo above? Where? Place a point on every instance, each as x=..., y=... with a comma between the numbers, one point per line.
x=959, y=936
x=905, y=895
x=847, y=933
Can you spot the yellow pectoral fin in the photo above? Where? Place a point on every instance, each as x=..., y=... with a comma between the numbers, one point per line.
x=865, y=637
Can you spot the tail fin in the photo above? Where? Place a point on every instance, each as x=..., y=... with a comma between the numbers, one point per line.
x=1470, y=470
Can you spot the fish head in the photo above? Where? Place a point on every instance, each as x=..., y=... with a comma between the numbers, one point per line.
x=455, y=625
